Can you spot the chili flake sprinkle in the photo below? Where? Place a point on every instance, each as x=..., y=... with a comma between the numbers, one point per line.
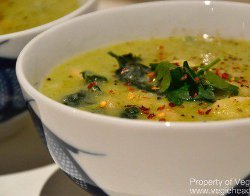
x=143, y=108
x=161, y=108
x=92, y=84
x=201, y=112
x=150, y=116
x=208, y=111
x=171, y=104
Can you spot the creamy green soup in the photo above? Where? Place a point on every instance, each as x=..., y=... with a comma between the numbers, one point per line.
x=172, y=79
x=18, y=15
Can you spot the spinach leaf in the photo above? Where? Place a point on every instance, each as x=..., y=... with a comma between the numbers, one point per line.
x=221, y=84
x=90, y=77
x=130, y=112
x=132, y=71
x=125, y=60
x=78, y=99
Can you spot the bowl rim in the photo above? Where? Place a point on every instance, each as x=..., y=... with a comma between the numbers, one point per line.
x=37, y=29
x=116, y=121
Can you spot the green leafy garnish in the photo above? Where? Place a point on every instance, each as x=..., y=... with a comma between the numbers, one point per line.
x=90, y=77
x=219, y=83
x=190, y=72
x=205, y=68
x=130, y=112
x=163, y=74
x=78, y=99
x=179, y=95
x=127, y=59
x=132, y=71
x=176, y=83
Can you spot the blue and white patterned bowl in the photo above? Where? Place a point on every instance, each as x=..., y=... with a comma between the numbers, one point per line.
x=108, y=155
x=11, y=100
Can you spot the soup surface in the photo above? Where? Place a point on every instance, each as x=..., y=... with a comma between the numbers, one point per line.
x=18, y=15
x=172, y=79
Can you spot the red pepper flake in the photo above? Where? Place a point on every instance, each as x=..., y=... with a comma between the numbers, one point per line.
x=217, y=72
x=143, y=108
x=145, y=112
x=196, y=79
x=225, y=76
x=171, y=104
x=151, y=76
x=161, y=55
x=92, y=84
x=150, y=116
x=161, y=108
x=162, y=119
x=127, y=84
x=200, y=111
x=208, y=111
x=161, y=52
x=131, y=89
x=111, y=92
x=177, y=64
x=236, y=67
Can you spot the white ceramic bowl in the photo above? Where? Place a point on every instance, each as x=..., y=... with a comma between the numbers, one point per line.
x=11, y=101
x=133, y=157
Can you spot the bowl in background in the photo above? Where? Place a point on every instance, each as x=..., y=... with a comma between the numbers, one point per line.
x=12, y=104
x=108, y=155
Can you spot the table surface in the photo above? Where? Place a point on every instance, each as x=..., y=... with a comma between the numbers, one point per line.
x=26, y=167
